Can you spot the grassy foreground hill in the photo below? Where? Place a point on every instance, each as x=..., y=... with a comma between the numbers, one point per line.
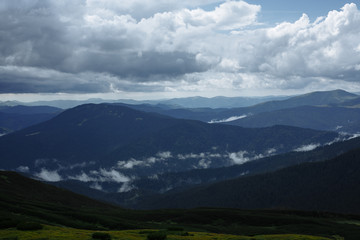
x=66, y=215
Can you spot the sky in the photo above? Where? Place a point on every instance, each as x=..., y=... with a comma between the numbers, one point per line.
x=147, y=49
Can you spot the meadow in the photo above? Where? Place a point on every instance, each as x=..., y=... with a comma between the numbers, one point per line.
x=31, y=210
x=64, y=233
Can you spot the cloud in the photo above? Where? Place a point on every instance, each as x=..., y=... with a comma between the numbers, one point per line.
x=356, y=135
x=19, y=79
x=83, y=177
x=131, y=163
x=321, y=49
x=307, y=148
x=126, y=187
x=47, y=175
x=230, y=119
x=113, y=175
x=96, y=177
x=164, y=155
x=229, y=15
x=343, y=136
x=96, y=186
x=81, y=165
x=242, y=157
x=24, y=169
x=144, y=8
x=239, y=157
x=145, y=162
x=270, y=151
x=203, y=163
x=156, y=46
x=101, y=175
x=203, y=155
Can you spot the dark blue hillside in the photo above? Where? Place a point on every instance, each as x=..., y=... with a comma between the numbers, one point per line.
x=321, y=186
x=107, y=138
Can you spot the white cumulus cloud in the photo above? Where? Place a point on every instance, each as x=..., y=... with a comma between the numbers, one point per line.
x=48, y=175
x=113, y=175
x=307, y=148
x=23, y=169
x=239, y=157
x=145, y=162
x=230, y=119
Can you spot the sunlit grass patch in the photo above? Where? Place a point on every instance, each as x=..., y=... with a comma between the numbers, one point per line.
x=288, y=237
x=64, y=233
x=353, y=222
x=213, y=236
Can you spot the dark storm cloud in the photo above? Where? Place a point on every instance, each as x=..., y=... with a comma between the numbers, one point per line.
x=32, y=35
x=33, y=80
x=37, y=34
x=141, y=66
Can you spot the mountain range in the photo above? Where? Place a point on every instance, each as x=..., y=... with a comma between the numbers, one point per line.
x=109, y=143
x=336, y=110
x=294, y=153
x=186, y=102
x=321, y=118
x=329, y=110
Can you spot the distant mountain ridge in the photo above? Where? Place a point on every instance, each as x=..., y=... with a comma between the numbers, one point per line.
x=21, y=109
x=13, y=118
x=186, y=102
x=267, y=111
x=311, y=99
x=319, y=98
x=321, y=118
x=217, y=102
x=328, y=110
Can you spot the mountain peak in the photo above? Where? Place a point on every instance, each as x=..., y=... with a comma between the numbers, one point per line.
x=325, y=97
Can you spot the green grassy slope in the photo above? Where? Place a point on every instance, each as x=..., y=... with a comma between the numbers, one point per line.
x=23, y=199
